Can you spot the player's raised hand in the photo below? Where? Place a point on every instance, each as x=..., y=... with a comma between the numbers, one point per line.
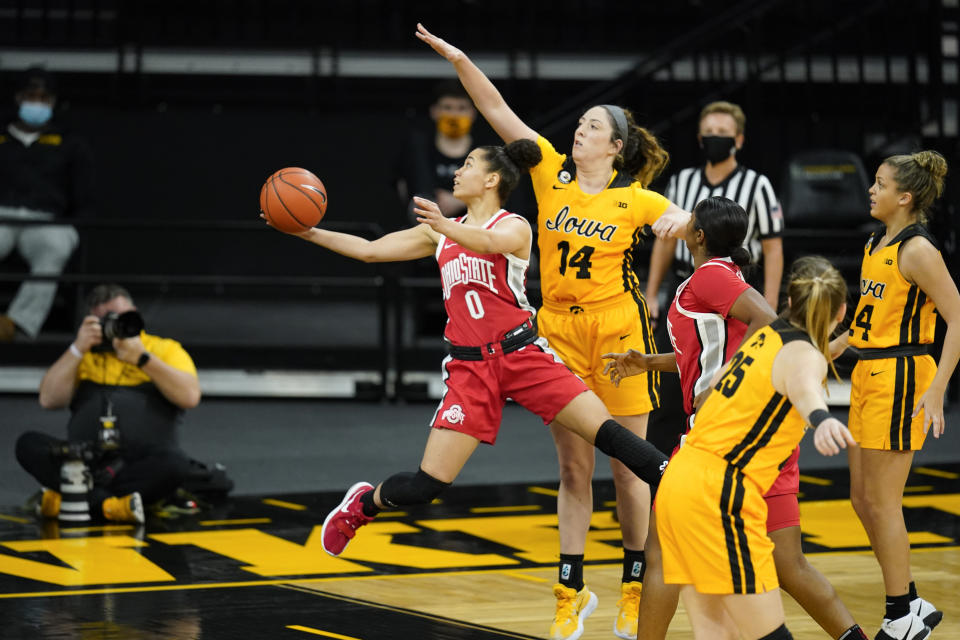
x=624, y=365
x=672, y=223
x=439, y=45
x=832, y=435
x=428, y=212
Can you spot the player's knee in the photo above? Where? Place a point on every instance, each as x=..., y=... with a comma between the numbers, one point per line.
x=406, y=489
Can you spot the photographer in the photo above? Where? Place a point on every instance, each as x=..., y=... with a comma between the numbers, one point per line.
x=126, y=390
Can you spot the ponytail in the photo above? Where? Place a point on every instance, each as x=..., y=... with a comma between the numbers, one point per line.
x=641, y=155
x=817, y=291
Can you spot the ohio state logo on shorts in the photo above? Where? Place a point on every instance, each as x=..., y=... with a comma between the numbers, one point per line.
x=453, y=415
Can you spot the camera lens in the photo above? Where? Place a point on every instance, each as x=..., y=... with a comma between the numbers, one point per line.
x=123, y=325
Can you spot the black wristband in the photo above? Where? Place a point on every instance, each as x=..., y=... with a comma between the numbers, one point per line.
x=143, y=359
x=817, y=416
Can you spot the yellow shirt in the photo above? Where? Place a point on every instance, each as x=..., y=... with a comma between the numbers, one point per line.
x=588, y=241
x=107, y=369
x=891, y=311
x=745, y=420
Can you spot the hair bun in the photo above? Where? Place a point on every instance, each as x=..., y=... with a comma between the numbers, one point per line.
x=933, y=162
x=524, y=153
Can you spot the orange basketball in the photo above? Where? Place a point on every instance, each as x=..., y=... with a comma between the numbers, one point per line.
x=293, y=199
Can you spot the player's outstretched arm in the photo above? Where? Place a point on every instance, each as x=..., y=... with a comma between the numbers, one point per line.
x=485, y=96
x=633, y=362
x=409, y=244
x=672, y=223
x=511, y=235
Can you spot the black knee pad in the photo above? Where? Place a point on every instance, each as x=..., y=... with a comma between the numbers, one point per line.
x=780, y=633
x=405, y=489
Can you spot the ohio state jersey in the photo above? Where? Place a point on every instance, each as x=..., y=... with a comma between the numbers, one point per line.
x=484, y=294
x=702, y=334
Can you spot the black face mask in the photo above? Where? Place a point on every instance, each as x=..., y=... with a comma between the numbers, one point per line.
x=717, y=148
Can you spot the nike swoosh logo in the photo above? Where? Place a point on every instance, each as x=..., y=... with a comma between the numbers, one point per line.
x=625, y=337
x=450, y=246
x=559, y=188
x=875, y=373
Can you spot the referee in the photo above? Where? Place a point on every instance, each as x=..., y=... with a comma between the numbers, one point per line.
x=720, y=136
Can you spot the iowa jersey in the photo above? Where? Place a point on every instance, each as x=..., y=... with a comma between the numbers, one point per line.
x=891, y=310
x=588, y=241
x=745, y=420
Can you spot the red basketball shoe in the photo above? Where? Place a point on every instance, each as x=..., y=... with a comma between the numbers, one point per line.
x=342, y=523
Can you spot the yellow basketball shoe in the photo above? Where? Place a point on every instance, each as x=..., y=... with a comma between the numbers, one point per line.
x=573, y=607
x=128, y=508
x=625, y=624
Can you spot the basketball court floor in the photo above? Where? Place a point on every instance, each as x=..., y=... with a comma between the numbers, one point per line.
x=477, y=564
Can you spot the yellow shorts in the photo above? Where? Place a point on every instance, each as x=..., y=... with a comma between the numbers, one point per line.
x=712, y=524
x=883, y=395
x=580, y=334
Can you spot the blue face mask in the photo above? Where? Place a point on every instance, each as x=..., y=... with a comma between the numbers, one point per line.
x=35, y=114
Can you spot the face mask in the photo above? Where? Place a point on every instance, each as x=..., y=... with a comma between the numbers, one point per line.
x=35, y=114
x=717, y=148
x=454, y=126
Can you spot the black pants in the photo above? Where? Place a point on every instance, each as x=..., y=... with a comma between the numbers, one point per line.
x=155, y=475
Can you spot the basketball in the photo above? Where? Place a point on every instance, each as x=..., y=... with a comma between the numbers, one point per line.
x=293, y=200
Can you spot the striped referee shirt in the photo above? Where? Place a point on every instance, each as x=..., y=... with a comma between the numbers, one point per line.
x=751, y=190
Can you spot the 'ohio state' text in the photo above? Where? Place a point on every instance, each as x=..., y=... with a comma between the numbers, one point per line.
x=465, y=269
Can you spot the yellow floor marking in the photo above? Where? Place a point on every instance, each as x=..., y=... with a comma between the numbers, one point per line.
x=213, y=523
x=918, y=488
x=14, y=519
x=544, y=492
x=937, y=473
x=823, y=482
x=284, y=505
x=610, y=503
x=317, y=632
x=525, y=507
x=290, y=583
x=524, y=577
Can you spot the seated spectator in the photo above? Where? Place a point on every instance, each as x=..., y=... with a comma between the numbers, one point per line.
x=126, y=390
x=45, y=173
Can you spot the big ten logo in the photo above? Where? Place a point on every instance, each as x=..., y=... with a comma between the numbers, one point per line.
x=622, y=205
x=869, y=287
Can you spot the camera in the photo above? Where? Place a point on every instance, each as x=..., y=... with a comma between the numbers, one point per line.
x=121, y=325
x=118, y=325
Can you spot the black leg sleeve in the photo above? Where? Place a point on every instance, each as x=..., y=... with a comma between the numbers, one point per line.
x=640, y=456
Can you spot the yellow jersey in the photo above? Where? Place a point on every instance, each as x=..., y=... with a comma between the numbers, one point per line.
x=745, y=420
x=891, y=311
x=107, y=369
x=588, y=242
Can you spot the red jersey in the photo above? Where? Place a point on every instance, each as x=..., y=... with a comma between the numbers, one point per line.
x=702, y=334
x=484, y=294
x=704, y=337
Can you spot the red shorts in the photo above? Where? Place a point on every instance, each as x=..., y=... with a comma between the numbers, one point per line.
x=789, y=479
x=782, y=511
x=476, y=390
